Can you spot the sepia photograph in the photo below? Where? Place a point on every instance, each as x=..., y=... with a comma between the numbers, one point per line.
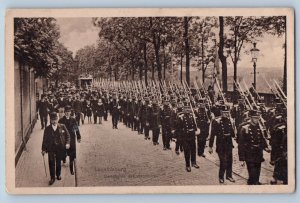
x=119, y=101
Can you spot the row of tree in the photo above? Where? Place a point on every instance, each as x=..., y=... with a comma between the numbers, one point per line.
x=142, y=47
x=36, y=44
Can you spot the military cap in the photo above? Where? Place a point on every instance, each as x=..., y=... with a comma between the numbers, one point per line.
x=53, y=115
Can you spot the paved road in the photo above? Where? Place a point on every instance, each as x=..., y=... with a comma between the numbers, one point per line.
x=108, y=157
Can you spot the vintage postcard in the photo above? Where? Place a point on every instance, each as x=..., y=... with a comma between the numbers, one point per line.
x=147, y=101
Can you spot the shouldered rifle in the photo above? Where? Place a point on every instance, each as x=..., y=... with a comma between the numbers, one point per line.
x=190, y=104
x=231, y=120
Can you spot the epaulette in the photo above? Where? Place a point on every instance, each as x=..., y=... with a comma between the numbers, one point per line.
x=246, y=127
x=218, y=119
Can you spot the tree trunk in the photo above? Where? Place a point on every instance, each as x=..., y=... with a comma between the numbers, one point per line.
x=181, y=57
x=146, y=63
x=235, y=59
x=187, y=49
x=156, y=44
x=221, y=54
x=202, y=56
x=285, y=65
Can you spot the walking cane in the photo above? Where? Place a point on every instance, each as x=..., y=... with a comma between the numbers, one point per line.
x=75, y=169
x=44, y=165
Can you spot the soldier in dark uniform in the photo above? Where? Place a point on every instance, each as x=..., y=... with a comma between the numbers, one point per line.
x=279, y=150
x=105, y=103
x=43, y=108
x=178, y=131
x=223, y=130
x=136, y=104
x=115, y=112
x=130, y=113
x=203, y=122
x=145, y=117
x=237, y=112
x=187, y=124
x=72, y=127
x=167, y=120
x=56, y=140
x=155, y=122
x=251, y=146
x=94, y=104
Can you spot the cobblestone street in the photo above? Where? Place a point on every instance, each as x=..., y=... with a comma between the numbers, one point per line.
x=108, y=157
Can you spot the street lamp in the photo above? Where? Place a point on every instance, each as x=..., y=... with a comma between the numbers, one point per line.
x=254, y=54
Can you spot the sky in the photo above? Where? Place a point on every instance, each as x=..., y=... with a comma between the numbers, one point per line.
x=76, y=33
x=79, y=32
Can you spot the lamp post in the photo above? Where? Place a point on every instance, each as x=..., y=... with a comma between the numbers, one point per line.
x=254, y=53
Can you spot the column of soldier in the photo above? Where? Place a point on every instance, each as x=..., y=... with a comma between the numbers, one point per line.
x=193, y=118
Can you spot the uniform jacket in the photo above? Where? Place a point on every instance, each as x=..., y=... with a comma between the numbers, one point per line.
x=279, y=142
x=167, y=118
x=251, y=144
x=222, y=129
x=202, y=121
x=155, y=116
x=186, y=126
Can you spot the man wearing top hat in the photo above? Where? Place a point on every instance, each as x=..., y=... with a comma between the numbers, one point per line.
x=251, y=146
x=72, y=127
x=223, y=130
x=56, y=140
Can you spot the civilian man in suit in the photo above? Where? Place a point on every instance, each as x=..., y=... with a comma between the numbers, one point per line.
x=55, y=141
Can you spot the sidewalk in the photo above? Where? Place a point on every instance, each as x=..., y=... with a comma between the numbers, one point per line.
x=30, y=170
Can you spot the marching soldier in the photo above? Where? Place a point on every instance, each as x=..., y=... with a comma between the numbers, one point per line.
x=203, y=124
x=94, y=104
x=188, y=126
x=115, y=112
x=56, y=140
x=145, y=117
x=155, y=121
x=167, y=124
x=136, y=105
x=72, y=127
x=251, y=146
x=223, y=130
x=279, y=150
x=178, y=131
